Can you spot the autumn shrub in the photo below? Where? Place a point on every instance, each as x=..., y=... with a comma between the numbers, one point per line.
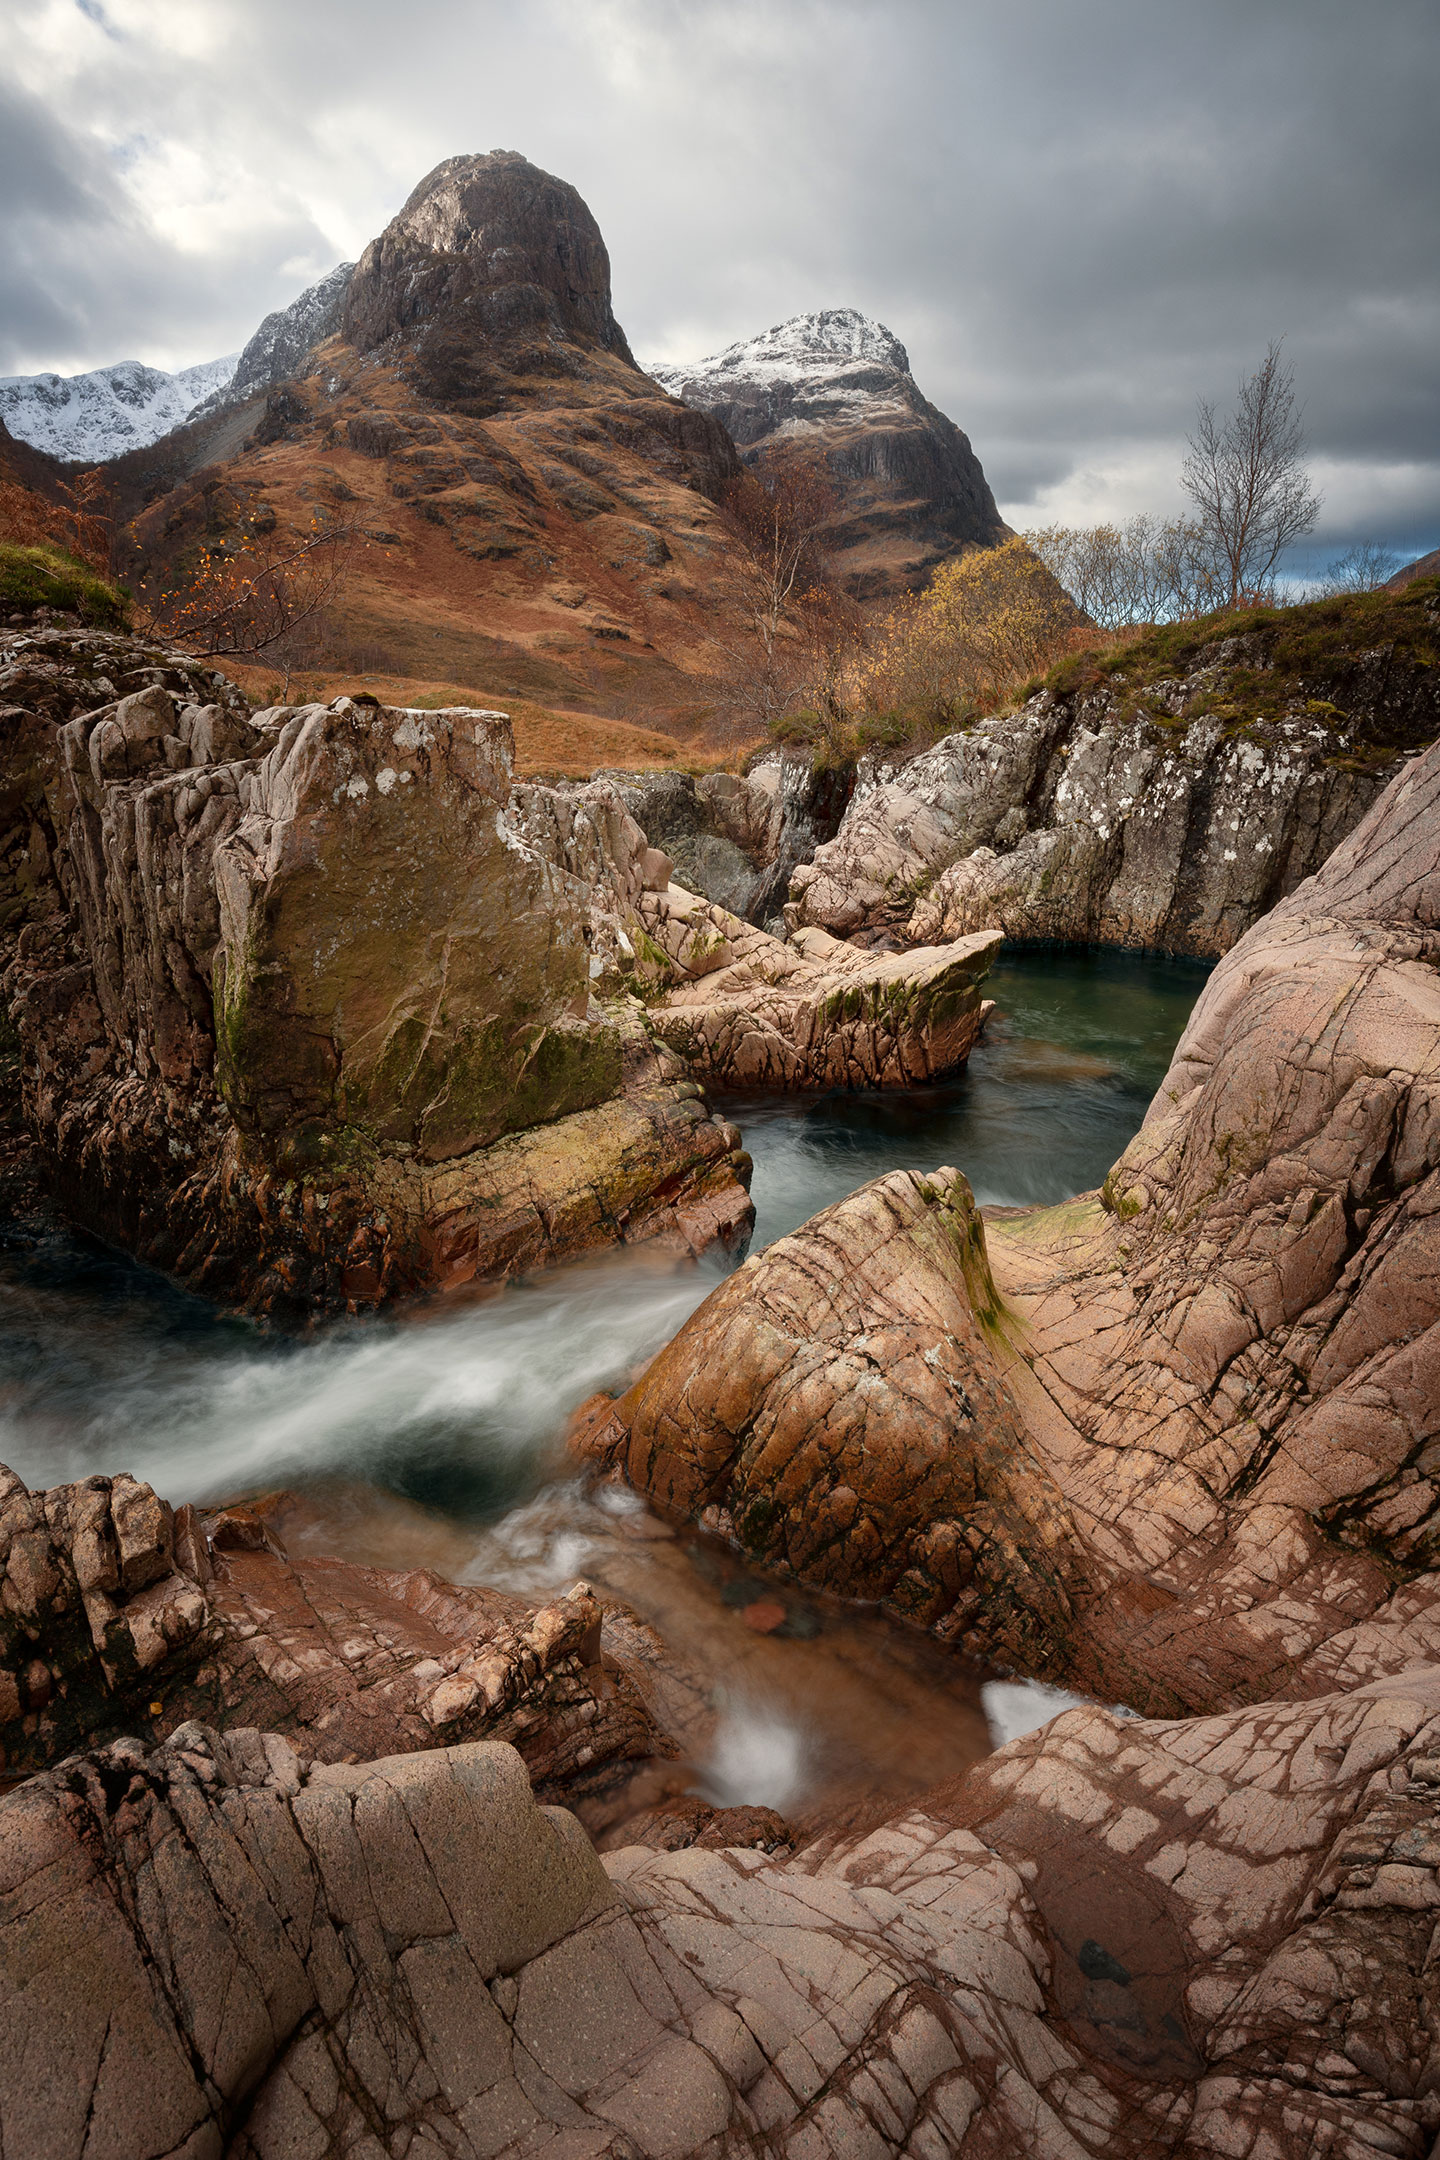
x=988, y=621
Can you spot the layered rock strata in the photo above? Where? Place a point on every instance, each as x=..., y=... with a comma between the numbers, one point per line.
x=119, y=1614
x=1118, y=1939
x=1179, y=1443
x=1165, y=804
x=306, y=1022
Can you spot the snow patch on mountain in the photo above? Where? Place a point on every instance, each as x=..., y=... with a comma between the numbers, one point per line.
x=284, y=341
x=840, y=366
x=109, y=410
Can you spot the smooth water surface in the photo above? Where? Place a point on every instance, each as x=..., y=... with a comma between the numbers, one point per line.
x=1056, y=1087
x=436, y=1436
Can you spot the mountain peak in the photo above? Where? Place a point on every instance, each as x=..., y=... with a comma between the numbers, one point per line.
x=836, y=385
x=489, y=246
x=825, y=335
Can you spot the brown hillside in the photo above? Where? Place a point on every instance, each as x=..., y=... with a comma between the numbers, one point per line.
x=537, y=516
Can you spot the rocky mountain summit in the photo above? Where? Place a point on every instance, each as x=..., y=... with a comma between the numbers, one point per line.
x=281, y=347
x=536, y=512
x=839, y=386
x=1163, y=795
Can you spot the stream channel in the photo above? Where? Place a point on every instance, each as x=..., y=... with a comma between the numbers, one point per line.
x=435, y=1438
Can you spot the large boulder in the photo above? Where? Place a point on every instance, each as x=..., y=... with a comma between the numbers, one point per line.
x=746, y=1011
x=1161, y=797
x=1216, y=1383
x=1118, y=1938
x=296, y=996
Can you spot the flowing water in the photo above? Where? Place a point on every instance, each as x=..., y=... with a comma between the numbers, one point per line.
x=434, y=1438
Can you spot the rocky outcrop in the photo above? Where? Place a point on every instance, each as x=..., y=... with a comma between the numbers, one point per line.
x=295, y=997
x=1210, y=1393
x=835, y=1409
x=1166, y=800
x=741, y=1008
x=745, y=1011
x=123, y=1615
x=736, y=838
x=1118, y=1939
x=837, y=386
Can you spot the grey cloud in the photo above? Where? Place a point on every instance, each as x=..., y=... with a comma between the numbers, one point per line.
x=1077, y=218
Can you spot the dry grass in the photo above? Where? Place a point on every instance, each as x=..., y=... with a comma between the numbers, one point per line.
x=547, y=740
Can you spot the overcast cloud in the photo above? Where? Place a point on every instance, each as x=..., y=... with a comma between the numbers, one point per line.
x=1077, y=214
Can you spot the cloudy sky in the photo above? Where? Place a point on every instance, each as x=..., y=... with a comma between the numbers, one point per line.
x=1077, y=214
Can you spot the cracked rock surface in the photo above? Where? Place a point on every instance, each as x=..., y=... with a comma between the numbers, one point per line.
x=1179, y=1441
x=1116, y=1938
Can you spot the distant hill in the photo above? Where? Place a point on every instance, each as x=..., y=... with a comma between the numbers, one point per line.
x=839, y=385
x=1423, y=566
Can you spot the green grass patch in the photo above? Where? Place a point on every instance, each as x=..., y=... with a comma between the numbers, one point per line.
x=36, y=577
x=1310, y=656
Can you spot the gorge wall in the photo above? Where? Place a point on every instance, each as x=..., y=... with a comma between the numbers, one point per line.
x=1174, y=1442
x=1163, y=795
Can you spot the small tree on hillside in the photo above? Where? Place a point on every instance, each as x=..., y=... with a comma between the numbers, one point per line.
x=247, y=597
x=1247, y=478
x=1140, y=572
x=774, y=517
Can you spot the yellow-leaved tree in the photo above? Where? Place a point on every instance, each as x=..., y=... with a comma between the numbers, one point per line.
x=988, y=620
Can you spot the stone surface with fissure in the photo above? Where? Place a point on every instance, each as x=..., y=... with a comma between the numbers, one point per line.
x=1121, y=1939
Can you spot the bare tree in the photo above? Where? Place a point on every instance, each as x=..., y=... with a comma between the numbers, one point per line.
x=1140, y=572
x=245, y=599
x=774, y=517
x=1247, y=478
x=1362, y=568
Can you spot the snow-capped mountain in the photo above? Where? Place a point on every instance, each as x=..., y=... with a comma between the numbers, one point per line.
x=114, y=409
x=838, y=385
x=110, y=410
x=284, y=341
x=835, y=364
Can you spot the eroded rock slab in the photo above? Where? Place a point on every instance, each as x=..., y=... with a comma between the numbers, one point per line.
x=746, y=1011
x=1118, y=1939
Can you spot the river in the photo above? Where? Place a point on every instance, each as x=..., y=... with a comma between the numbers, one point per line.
x=434, y=1438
